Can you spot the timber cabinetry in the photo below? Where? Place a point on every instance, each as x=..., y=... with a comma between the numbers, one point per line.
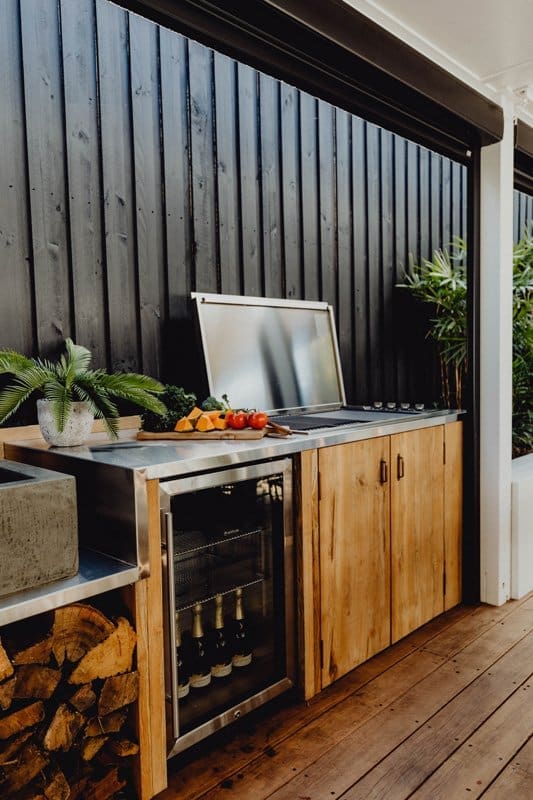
x=381, y=525
x=354, y=523
x=417, y=528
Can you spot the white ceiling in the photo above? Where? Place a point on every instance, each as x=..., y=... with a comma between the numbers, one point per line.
x=486, y=43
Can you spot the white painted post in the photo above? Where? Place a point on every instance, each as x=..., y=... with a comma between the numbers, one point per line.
x=496, y=232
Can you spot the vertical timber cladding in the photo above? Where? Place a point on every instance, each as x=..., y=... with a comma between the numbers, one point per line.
x=138, y=165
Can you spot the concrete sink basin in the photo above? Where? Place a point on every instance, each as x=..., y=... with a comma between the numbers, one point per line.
x=38, y=527
x=13, y=476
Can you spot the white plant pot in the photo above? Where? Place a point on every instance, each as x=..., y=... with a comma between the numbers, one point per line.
x=77, y=427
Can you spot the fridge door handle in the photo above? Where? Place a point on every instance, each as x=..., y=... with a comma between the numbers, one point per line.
x=168, y=570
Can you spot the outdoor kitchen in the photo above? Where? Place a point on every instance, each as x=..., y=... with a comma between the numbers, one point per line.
x=250, y=500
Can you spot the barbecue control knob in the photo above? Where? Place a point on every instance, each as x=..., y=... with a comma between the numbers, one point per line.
x=419, y=406
x=391, y=406
x=377, y=404
x=404, y=406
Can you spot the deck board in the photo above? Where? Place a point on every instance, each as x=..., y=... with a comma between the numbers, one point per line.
x=404, y=724
x=516, y=780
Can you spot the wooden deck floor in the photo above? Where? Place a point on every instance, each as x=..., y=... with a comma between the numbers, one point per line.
x=445, y=713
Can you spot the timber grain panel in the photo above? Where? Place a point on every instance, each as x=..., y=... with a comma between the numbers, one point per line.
x=324, y=748
x=139, y=165
x=354, y=564
x=453, y=513
x=147, y=607
x=417, y=528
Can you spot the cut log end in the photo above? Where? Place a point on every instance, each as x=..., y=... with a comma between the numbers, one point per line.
x=83, y=698
x=38, y=653
x=9, y=750
x=63, y=729
x=123, y=748
x=77, y=629
x=28, y=766
x=6, y=667
x=21, y=720
x=111, y=657
x=64, y=701
x=92, y=746
x=109, y=785
x=36, y=682
x=118, y=691
x=111, y=723
x=58, y=787
x=7, y=691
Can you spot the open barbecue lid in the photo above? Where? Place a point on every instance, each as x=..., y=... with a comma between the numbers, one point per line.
x=278, y=355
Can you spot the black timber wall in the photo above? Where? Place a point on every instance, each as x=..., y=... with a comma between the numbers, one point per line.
x=137, y=166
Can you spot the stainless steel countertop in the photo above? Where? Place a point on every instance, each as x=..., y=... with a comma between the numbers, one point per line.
x=163, y=459
x=142, y=460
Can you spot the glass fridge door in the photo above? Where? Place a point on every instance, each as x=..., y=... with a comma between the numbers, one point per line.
x=230, y=584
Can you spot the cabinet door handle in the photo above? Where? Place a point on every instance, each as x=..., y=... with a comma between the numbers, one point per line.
x=400, y=467
x=383, y=471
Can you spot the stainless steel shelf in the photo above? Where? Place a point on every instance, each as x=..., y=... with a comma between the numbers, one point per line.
x=187, y=541
x=97, y=573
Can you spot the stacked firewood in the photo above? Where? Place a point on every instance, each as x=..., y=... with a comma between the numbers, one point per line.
x=64, y=706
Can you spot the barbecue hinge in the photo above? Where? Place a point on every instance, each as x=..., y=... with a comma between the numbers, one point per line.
x=444, y=582
x=319, y=489
x=321, y=654
x=444, y=452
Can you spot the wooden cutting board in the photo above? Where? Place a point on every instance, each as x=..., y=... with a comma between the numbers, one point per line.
x=248, y=433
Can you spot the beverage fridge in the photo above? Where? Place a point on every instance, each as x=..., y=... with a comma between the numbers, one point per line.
x=229, y=584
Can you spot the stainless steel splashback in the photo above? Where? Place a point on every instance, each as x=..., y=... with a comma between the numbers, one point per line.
x=279, y=355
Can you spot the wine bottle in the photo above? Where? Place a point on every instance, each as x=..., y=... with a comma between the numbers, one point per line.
x=221, y=663
x=200, y=666
x=183, y=666
x=242, y=649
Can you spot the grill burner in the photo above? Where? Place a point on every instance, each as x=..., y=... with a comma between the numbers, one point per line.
x=393, y=408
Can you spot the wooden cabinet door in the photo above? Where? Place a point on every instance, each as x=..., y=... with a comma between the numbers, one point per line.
x=354, y=519
x=417, y=528
x=453, y=513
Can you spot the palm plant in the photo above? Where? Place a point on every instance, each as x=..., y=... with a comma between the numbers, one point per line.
x=442, y=283
x=69, y=380
x=523, y=346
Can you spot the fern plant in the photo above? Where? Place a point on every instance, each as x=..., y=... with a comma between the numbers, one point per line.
x=69, y=380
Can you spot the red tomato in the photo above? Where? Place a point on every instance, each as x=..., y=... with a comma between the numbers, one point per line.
x=257, y=420
x=238, y=420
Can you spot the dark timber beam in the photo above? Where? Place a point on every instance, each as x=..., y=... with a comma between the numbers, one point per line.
x=332, y=51
x=524, y=157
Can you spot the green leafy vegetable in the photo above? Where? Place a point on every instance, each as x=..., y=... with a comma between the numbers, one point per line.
x=178, y=402
x=212, y=404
